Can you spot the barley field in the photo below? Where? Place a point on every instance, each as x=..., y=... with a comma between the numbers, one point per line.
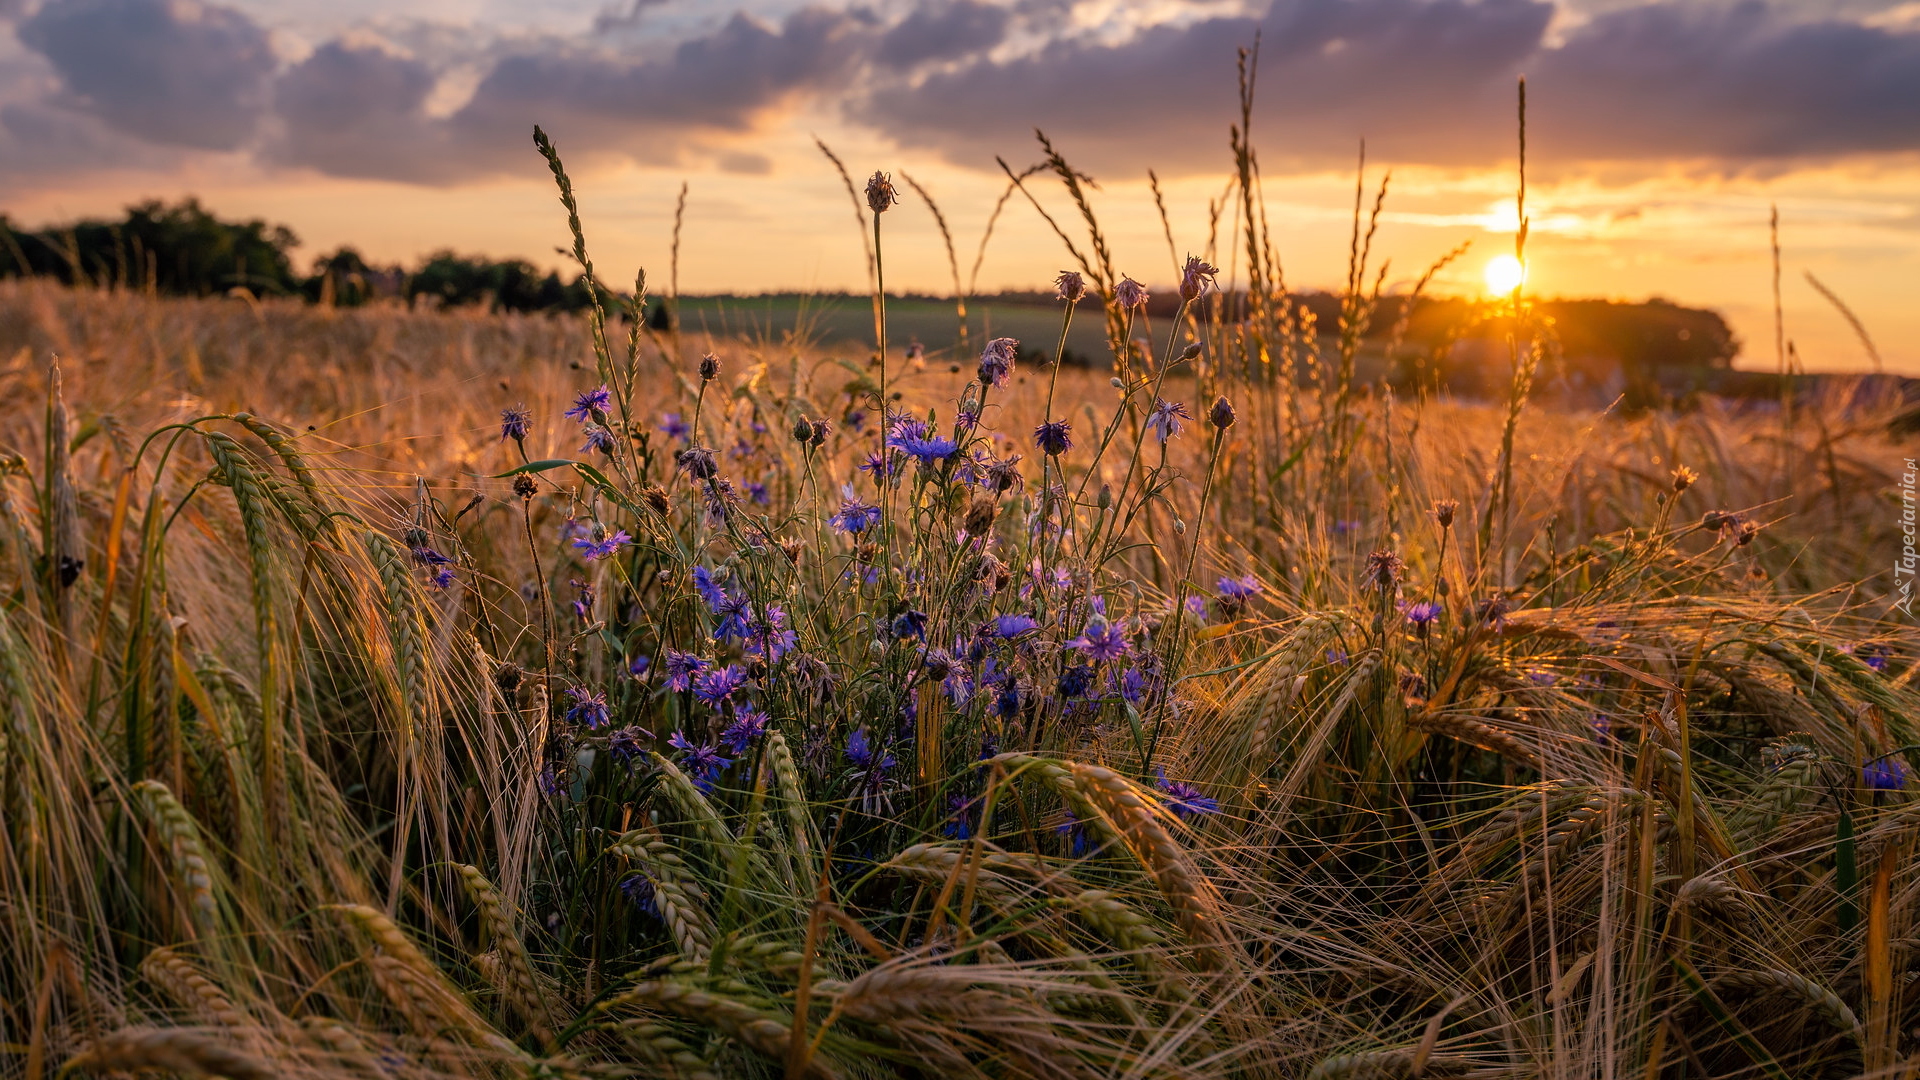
x=437, y=694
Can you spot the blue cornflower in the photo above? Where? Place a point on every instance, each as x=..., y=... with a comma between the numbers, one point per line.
x=1337, y=657
x=1885, y=774
x=1076, y=681
x=757, y=493
x=1053, y=438
x=1079, y=841
x=1185, y=800
x=1102, y=640
x=1007, y=704
x=582, y=599
x=910, y=624
x=426, y=556
x=637, y=667
x=1166, y=418
x=702, y=761
x=1422, y=615
x=598, y=438
x=714, y=687
x=1134, y=684
x=1240, y=588
x=673, y=426
x=855, y=516
x=597, y=400
x=863, y=754
x=1011, y=626
x=1542, y=677
x=515, y=423
x=628, y=743
x=960, y=814
x=600, y=549
x=1874, y=656
x=589, y=707
x=682, y=667
x=441, y=578
x=638, y=890
x=748, y=724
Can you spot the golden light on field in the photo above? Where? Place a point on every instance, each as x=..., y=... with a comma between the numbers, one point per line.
x=1505, y=273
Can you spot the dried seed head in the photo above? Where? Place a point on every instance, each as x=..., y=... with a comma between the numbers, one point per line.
x=1443, y=511
x=1195, y=278
x=802, y=430
x=524, y=486
x=1748, y=530
x=709, y=368
x=656, y=497
x=1683, y=479
x=821, y=429
x=1129, y=293
x=1717, y=520
x=1383, y=568
x=880, y=193
x=1221, y=415
x=1069, y=286
x=507, y=678
x=980, y=515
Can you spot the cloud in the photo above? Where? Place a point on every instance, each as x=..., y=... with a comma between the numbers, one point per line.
x=942, y=31
x=1431, y=81
x=172, y=72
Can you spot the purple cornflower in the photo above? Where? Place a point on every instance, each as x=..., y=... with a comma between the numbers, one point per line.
x=769, y=638
x=589, y=707
x=910, y=624
x=627, y=744
x=1101, y=640
x=1129, y=293
x=600, y=549
x=1337, y=657
x=1184, y=799
x=714, y=687
x=673, y=426
x=1053, y=438
x=598, y=400
x=598, y=438
x=855, y=516
x=1233, y=594
x=1885, y=774
x=930, y=450
x=637, y=667
x=582, y=599
x=1542, y=677
x=997, y=360
x=882, y=467
x=1166, y=418
x=1874, y=656
x=1011, y=626
x=682, y=667
x=549, y=782
x=757, y=493
x=748, y=724
x=1135, y=683
x=1005, y=475
x=515, y=423
x=1422, y=616
x=1069, y=286
x=441, y=578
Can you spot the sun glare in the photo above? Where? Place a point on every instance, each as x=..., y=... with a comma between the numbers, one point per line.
x=1504, y=274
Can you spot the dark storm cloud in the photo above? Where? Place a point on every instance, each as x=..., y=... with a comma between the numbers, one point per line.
x=942, y=31
x=171, y=72
x=1432, y=81
x=355, y=110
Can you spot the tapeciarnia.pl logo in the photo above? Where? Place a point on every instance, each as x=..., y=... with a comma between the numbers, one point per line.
x=1904, y=566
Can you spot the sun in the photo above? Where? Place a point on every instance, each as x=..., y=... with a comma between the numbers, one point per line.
x=1504, y=274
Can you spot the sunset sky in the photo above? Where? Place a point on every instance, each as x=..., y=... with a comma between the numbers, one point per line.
x=1659, y=134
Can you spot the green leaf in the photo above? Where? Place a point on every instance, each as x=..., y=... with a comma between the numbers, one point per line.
x=534, y=467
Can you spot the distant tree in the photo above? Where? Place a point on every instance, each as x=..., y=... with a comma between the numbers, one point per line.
x=511, y=285
x=346, y=279
x=179, y=249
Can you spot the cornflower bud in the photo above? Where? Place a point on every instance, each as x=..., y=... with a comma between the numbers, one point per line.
x=1221, y=415
x=880, y=193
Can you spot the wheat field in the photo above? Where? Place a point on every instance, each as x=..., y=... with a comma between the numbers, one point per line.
x=419, y=694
